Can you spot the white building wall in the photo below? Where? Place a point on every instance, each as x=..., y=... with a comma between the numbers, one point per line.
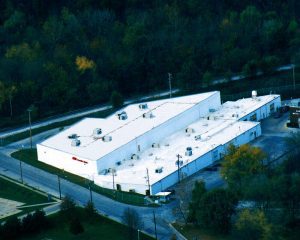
x=264, y=111
x=204, y=160
x=65, y=162
x=160, y=132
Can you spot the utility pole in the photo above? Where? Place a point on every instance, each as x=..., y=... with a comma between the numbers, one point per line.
x=90, y=188
x=154, y=219
x=21, y=172
x=29, y=119
x=59, y=189
x=178, y=166
x=170, y=84
x=148, y=180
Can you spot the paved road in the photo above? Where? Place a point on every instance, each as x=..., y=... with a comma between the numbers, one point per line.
x=80, y=114
x=48, y=182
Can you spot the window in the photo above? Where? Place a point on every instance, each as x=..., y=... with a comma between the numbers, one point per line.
x=253, y=117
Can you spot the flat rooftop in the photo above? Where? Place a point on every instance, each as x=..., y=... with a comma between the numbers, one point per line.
x=236, y=110
x=221, y=127
x=121, y=131
x=214, y=132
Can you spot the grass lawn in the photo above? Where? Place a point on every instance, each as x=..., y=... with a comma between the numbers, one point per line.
x=18, y=193
x=29, y=156
x=13, y=191
x=192, y=232
x=96, y=229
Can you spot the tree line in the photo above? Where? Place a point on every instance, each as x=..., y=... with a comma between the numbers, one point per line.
x=62, y=55
x=261, y=200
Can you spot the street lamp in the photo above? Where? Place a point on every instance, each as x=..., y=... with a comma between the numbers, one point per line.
x=29, y=110
x=59, y=188
x=138, y=234
x=21, y=172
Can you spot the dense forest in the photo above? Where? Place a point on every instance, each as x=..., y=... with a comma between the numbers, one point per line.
x=59, y=55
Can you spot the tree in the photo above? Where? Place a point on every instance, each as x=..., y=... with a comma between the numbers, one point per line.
x=76, y=226
x=83, y=63
x=260, y=189
x=11, y=228
x=67, y=206
x=242, y=163
x=197, y=194
x=215, y=210
x=116, y=99
x=252, y=225
x=206, y=79
x=132, y=219
x=2, y=94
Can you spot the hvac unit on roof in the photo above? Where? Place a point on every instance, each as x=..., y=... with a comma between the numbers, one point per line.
x=159, y=170
x=134, y=157
x=189, y=151
x=97, y=131
x=107, y=138
x=155, y=145
x=75, y=143
x=148, y=115
x=254, y=94
x=198, y=137
x=73, y=136
x=143, y=106
x=189, y=130
x=122, y=115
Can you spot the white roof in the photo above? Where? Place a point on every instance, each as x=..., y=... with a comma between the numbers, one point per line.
x=121, y=131
x=220, y=129
x=215, y=133
x=240, y=108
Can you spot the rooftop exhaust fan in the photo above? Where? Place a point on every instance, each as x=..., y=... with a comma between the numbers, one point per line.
x=143, y=106
x=107, y=138
x=75, y=143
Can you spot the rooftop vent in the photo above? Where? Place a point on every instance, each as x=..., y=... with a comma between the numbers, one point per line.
x=122, y=115
x=254, y=94
x=189, y=151
x=211, y=110
x=73, y=136
x=198, y=137
x=143, y=106
x=107, y=138
x=75, y=143
x=155, y=145
x=119, y=163
x=189, y=130
x=159, y=170
x=134, y=157
x=97, y=131
x=148, y=115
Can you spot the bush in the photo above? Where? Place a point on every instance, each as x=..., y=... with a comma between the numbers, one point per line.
x=76, y=226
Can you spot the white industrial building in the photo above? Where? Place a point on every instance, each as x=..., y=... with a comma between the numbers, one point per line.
x=138, y=148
